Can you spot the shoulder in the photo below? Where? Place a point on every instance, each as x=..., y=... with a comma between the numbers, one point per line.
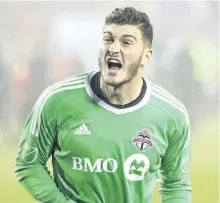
x=56, y=93
x=169, y=104
x=70, y=83
x=44, y=109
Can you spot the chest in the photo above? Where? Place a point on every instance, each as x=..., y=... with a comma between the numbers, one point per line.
x=135, y=138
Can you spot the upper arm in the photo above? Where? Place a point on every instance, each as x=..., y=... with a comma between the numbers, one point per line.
x=38, y=136
x=174, y=171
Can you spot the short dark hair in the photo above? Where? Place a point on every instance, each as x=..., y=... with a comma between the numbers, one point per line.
x=131, y=16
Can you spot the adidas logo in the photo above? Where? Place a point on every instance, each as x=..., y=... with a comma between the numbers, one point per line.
x=82, y=130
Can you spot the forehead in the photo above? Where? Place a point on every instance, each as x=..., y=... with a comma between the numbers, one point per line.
x=120, y=30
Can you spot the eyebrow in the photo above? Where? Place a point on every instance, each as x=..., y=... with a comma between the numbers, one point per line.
x=126, y=35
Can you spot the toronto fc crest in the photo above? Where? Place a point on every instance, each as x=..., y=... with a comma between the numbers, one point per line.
x=143, y=140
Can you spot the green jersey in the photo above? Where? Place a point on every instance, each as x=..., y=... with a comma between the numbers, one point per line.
x=102, y=154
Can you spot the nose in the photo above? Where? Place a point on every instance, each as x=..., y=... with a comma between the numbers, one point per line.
x=114, y=49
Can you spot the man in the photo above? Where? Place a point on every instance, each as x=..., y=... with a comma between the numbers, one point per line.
x=110, y=133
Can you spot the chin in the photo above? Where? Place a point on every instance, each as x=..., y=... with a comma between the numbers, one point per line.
x=113, y=81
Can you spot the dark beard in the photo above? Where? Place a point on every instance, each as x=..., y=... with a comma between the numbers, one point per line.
x=133, y=69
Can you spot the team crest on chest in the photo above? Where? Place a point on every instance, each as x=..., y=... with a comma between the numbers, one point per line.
x=143, y=140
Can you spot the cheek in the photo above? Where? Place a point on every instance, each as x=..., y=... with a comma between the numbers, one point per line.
x=135, y=55
x=102, y=52
x=131, y=58
x=130, y=53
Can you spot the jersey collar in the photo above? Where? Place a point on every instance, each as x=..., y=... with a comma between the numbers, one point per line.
x=110, y=108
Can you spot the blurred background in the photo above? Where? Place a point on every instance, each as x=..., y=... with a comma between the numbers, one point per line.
x=43, y=42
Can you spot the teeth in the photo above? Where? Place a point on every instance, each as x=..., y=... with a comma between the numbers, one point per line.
x=114, y=61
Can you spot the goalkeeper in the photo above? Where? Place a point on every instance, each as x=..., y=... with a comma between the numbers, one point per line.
x=112, y=133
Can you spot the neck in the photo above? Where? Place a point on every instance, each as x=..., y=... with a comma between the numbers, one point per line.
x=125, y=93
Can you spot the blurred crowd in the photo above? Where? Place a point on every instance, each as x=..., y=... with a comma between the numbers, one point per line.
x=43, y=42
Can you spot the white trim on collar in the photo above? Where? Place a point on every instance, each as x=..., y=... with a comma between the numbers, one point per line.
x=108, y=107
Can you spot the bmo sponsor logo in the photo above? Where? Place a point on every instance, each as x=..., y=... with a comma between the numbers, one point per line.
x=134, y=167
x=99, y=165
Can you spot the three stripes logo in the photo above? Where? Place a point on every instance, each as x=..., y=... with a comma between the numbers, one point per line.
x=82, y=130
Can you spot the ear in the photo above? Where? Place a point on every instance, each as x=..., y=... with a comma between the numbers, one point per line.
x=147, y=54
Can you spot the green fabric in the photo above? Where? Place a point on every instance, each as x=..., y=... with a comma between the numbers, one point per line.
x=103, y=156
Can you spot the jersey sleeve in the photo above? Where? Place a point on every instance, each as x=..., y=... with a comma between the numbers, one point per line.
x=36, y=145
x=174, y=172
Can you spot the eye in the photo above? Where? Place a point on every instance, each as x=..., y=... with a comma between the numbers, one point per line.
x=127, y=42
x=106, y=39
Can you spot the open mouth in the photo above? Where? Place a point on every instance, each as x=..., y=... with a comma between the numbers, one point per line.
x=114, y=64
